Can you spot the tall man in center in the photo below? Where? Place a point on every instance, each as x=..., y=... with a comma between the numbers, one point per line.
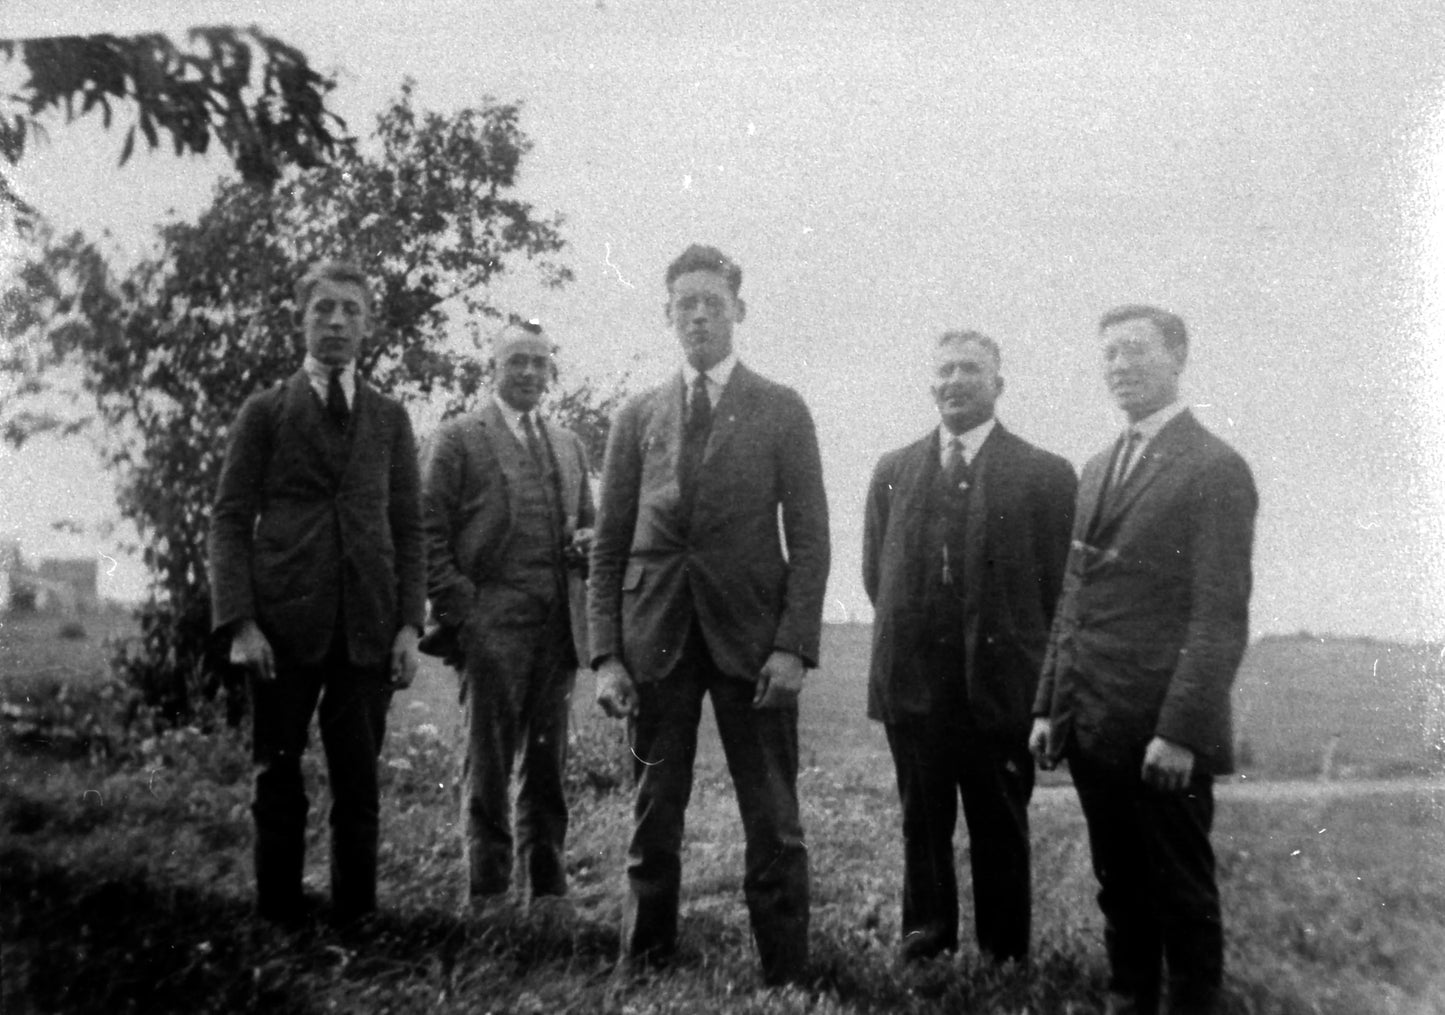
x=694, y=592
x=506, y=507
x=965, y=537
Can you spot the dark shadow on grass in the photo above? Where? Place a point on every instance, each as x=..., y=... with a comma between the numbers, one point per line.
x=114, y=940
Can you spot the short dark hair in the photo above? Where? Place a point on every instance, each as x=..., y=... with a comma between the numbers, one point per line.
x=977, y=337
x=332, y=270
x=1171, y=326
x=700, y=258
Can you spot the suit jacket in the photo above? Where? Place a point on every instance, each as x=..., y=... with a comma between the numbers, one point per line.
x=310, y=526
x=1021, y=505
x=469, y=513
x=1154, y=615
x=749, y=589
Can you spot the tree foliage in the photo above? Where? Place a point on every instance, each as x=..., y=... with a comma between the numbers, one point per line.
x=253, y=94
x=169, y=352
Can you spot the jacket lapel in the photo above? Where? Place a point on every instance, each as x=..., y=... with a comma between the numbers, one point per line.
x=731, y=406
x=569, y=471
x=304, y=407
x=1159, y=456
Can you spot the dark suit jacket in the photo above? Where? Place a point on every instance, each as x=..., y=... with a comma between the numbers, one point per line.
x=469, y=512
x=1021, y=504
x=309, y=525
x=1154, y=616
x=654, y=572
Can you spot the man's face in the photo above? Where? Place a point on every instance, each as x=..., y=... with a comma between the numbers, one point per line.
x=702, y=310
x=1141, y=371
x=966, y=384
x=336, y=321
x=524, y=370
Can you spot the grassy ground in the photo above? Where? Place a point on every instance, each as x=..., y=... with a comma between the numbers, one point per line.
x=124, y=886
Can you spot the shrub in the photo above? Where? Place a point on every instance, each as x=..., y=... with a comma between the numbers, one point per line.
x=71, y=630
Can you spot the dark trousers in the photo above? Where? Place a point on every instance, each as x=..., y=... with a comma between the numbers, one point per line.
x=761, y=746
x=939, y=758
x=353, y=703
x=1157, y=888
x=516, y=694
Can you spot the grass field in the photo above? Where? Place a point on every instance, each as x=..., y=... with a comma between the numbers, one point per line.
x=124, y=884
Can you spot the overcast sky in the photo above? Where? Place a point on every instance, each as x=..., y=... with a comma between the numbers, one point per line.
x=1274, y=172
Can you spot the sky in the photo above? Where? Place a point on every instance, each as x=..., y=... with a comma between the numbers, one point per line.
x=1273, y=172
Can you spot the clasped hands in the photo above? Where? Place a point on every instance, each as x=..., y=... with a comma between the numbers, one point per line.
x=252, y=652
x=1167, y=766
x=779, y=683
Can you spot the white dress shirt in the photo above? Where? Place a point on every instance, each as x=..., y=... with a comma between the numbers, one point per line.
x=319, y=374
x=970, y=441
x=717, y=377
x=1148, y=428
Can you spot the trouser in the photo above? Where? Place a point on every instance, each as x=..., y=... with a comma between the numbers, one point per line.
x=516, y=694
x=1157, y=888
x=761, y=746
x=353, y=702
x=938, y=758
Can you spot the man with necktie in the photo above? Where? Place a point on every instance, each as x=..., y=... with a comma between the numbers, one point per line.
x=318, y=579
x=508, y=514
x=697, y=591
x=1151, y=626
x=965, y=534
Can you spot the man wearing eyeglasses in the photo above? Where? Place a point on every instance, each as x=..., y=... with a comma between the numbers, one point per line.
x=695, y=592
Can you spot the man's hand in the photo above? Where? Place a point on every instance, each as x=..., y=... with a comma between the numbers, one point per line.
x=1041, y=743
x=616, y=693
x=404, y=657
x=252, y=652
x=1167, y=766
x=780, y=681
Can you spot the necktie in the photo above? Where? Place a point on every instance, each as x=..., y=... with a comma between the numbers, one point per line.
x=955, y=469
x=694, y=441
x=1131, y=441
x=336, y=406
x=533, y=444
x=699, y=416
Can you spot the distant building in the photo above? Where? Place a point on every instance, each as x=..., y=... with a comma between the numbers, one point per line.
x=61, y=585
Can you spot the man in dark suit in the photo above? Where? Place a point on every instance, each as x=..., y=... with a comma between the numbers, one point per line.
x=1152, y=623
x=317, y=576
x=964, y=541
x=694, y=593
x=507, y=507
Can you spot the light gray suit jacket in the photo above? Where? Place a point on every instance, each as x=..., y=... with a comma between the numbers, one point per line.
x=468, y=514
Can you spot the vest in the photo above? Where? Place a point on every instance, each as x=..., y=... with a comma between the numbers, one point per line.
x=533, y=561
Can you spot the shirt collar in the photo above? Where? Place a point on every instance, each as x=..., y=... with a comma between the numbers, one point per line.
x=972, y=439
x=1148, y=428
x=319, y=374
x=717, y=374
x=513, y=417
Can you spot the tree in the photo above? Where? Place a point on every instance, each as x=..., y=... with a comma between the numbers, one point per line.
x=170, y=351
x=251, y=92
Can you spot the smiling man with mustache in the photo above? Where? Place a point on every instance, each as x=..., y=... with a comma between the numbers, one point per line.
x=963, y=549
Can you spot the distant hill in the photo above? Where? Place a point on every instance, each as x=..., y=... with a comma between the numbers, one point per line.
x=1380, y=704
x=1357, y=706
